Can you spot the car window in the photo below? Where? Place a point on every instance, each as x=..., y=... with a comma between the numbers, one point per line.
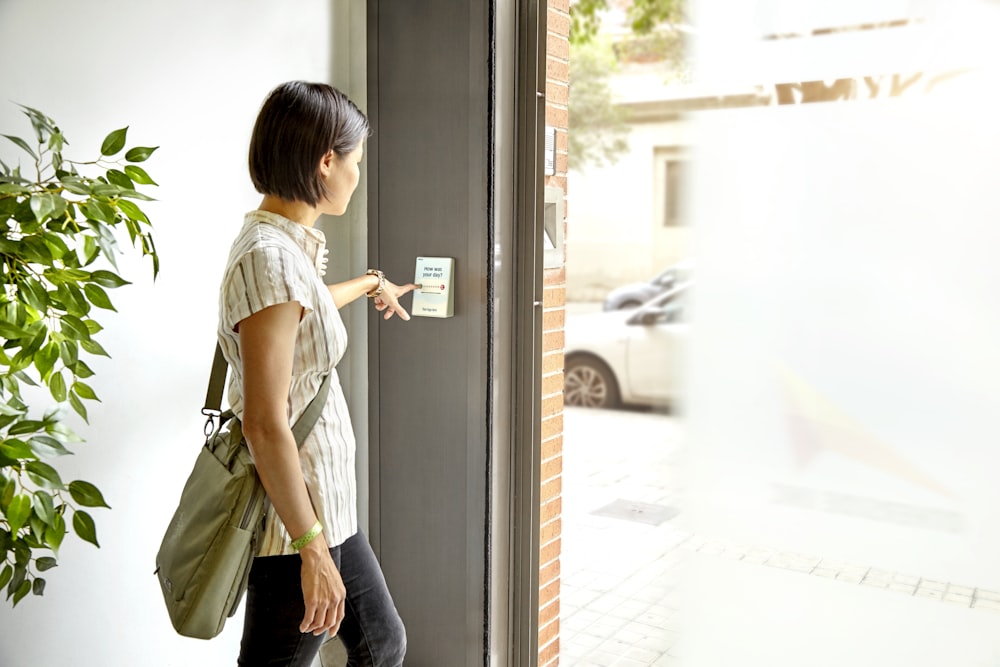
x=671, y=312
x=665, y=279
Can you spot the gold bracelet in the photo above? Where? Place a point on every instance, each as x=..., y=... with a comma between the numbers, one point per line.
x=381, y=283
x=298, y=544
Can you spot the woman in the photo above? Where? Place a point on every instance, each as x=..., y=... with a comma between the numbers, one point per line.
x=281, y=333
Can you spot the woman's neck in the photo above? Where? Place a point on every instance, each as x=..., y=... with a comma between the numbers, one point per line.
x=296, y=211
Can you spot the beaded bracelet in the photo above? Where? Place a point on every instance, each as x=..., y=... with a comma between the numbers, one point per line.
x=381, y=283
x=308, y=537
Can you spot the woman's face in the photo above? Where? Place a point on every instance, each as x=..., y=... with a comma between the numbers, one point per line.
x=341, y=175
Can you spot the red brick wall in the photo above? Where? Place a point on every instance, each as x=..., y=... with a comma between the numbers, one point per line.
x=553, y=344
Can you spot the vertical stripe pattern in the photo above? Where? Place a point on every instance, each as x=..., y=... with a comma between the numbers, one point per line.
x=274, y=260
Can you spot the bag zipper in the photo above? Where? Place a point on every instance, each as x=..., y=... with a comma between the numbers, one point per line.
x=251, y=509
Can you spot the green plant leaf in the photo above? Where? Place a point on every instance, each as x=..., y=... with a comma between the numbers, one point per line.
x=139, y=175
x=26, y=356
x=109, y=248
x=73, y=302
x=45, y=446
x=55, y=533
x=47, y=205
x=45, y=359
x=9, y=247
x=26, y=426
x=11, y=332
x=17, y=449
x=98, y=296
x=86, y=494
x=23, y=144
x=8, y=494
x=90, y=249
x=56, y=245
x=46, y=563
x=82, y=370
x=44, y=475
x=8, y=409
x=73, y=327
x=140, y=153
x=135, y=194
x=119, y=178
x=94, y=347
x=5, y=575
x=133, y=229
x=25, y=378
x=68, y=274
x=56, y=142
x=13, y=189
x=57, y=386
x=84, y=390
x=114, y=142
x=44, y=509
x=39, y=120
x=78, y=407
x=108, y=279
x=98, y=210
x=23, y=589
x=38, y=586
x=42, y=206
x=131, y=210
x=18, y=512
x=69, y=352
x=83, y=525
x=22, y=554
x=106, y=190
x=33, y=249
x=75, y=184
x=37, y=533
x=34, y=294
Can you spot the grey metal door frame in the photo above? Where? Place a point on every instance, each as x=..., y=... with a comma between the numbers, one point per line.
x=454, y=443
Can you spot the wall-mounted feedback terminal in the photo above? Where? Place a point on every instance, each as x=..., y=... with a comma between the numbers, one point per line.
x=435, y=297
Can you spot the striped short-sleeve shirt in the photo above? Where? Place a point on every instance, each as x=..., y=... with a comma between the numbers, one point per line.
x=274, y=260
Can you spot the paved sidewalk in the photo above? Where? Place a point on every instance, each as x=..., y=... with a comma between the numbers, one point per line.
x=619, y=568
x=627, y=551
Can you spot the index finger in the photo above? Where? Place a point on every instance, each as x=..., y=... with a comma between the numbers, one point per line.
x=398, y=310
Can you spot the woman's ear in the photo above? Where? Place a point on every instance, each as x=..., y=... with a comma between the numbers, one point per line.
x=326, y=163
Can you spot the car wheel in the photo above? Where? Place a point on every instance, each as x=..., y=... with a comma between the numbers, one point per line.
x=590, y=383
x=629, y=305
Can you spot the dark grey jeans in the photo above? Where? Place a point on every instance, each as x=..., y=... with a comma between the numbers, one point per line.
x=372, y=631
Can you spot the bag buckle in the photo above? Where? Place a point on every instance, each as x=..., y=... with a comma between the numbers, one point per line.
x=210, y=426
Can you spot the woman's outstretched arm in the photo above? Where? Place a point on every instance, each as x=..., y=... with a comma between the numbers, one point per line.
x=387, y=302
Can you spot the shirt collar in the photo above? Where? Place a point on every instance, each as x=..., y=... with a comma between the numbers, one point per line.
x=311, y=240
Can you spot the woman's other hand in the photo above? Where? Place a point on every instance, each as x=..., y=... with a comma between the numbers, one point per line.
x=323, y=590
x=388, y=301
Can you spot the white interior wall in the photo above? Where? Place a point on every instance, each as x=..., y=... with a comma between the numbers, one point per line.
x=187, y=76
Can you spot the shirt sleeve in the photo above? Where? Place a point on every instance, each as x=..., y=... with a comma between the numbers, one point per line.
x=264, y=277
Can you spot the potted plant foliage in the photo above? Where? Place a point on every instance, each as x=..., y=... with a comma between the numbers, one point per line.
x=60, y=223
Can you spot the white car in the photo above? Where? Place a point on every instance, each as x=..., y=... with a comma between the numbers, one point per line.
x=627, y=357
x=634, y=295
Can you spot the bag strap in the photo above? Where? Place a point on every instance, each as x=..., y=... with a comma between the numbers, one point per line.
x=217, y=383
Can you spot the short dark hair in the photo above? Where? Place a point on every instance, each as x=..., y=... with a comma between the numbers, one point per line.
x=297, y=124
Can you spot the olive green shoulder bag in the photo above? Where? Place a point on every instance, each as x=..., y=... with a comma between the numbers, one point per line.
x=205, y=556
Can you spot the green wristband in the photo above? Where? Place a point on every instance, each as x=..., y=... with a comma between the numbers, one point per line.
x=308, y=537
